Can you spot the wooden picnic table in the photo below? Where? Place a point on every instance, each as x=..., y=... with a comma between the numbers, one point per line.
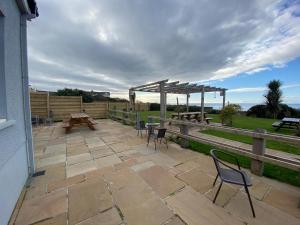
x=196, y=116
x=79, y=119
x=286, y=122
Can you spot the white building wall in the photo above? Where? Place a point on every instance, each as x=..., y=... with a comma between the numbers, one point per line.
x=13, y=153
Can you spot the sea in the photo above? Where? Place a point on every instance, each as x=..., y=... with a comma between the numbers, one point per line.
x=245, y=106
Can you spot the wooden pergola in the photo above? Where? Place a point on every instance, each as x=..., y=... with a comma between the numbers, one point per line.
x=164, y=87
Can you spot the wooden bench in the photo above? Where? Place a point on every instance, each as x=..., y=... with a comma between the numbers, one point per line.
x=92, y=121
x=67, y=126
x=208, y=119
x=276, y=124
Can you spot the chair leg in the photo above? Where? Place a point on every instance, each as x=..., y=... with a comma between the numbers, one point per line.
x=249, y=197
x=155, y=143
x=218, y=192
x=215, y=180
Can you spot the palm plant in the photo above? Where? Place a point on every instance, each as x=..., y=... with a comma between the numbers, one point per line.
x=274, y=97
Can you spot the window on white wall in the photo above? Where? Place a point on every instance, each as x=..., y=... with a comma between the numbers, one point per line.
x=3, y=112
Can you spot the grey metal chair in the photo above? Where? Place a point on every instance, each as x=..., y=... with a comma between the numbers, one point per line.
x=228, y=174
x=140, y=126
x=161, y=134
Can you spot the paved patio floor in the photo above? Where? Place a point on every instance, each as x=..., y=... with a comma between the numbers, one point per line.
x=110, y=177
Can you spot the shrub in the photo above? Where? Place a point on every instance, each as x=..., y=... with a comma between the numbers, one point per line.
x=258, y=111
x=154, y=107
x=228, y=112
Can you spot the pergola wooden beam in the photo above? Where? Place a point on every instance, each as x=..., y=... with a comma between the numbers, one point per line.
x=164, y=87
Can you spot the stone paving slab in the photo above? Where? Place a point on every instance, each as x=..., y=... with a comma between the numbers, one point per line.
x=175, y=221
x=120, y=147
x=259, y=189
x=58, y=220
x=51, y=160
x=162, y=182
x=180, y=155
x=91, y=140
x=76, y=150
x=138, y=203
x=41, y=208
x=197, y=179
x=285, y=201
x=102, y=153
x=142, y=166
x=265, y=214
x=161, y=159
x=226, y=193
x=107, y=161
x=87, y=199
x=187, y=166
x=109, y=217
x=78, y=158
x=196, y=209
x=81, y=168
x=96, y=144
x=53, y=150
x=65, y=183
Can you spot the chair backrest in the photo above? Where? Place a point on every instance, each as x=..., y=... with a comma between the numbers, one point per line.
x=150, y=120
x=161, y=133
x=213, y=153
x=142, y=124
x=51, y=114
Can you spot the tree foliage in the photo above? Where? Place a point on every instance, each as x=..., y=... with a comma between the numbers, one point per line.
x=274, y=97
x=228, y=112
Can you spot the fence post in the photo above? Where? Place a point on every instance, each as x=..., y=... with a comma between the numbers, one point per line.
x=258, y=148
x=48, y=105
x=184, y=129
x=80, y=103
x=124, y=116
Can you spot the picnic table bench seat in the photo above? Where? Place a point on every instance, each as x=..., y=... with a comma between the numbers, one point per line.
x=92, y=121
x=67, y=126
x=276, y=124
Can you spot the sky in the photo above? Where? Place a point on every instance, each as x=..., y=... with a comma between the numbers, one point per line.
x=112, y=45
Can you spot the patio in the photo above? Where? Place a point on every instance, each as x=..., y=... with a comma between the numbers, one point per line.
x=110, y=177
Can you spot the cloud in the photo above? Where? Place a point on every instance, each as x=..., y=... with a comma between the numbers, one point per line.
x=110, y=45
x=260, y=89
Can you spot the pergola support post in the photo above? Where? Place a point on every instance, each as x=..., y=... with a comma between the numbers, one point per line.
x=224, y=98
x=202, y=104
x=187, y=102
x=163, y=98
x=131, y=100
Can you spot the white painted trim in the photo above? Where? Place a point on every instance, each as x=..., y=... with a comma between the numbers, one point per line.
x=6, y=124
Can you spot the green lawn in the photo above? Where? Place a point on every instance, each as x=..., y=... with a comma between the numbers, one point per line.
x=145, y=114
x=251, y=123
x=244, y=122
x=280, y=146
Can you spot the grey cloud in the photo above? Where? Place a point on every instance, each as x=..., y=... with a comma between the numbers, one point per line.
x=135, y=41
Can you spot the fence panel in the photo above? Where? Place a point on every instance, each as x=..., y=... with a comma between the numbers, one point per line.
x=63, y=106
x=97, y=110
x=38, y=104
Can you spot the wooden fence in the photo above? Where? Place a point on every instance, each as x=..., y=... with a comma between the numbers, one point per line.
x=258, y=155
x=62, y=106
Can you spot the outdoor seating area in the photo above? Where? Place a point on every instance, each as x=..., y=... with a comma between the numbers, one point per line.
x=77, y=119
x=290, y=123
x=191, y=116
x=110, y=176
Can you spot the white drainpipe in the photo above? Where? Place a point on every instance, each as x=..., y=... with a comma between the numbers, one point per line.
x=25, y=93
